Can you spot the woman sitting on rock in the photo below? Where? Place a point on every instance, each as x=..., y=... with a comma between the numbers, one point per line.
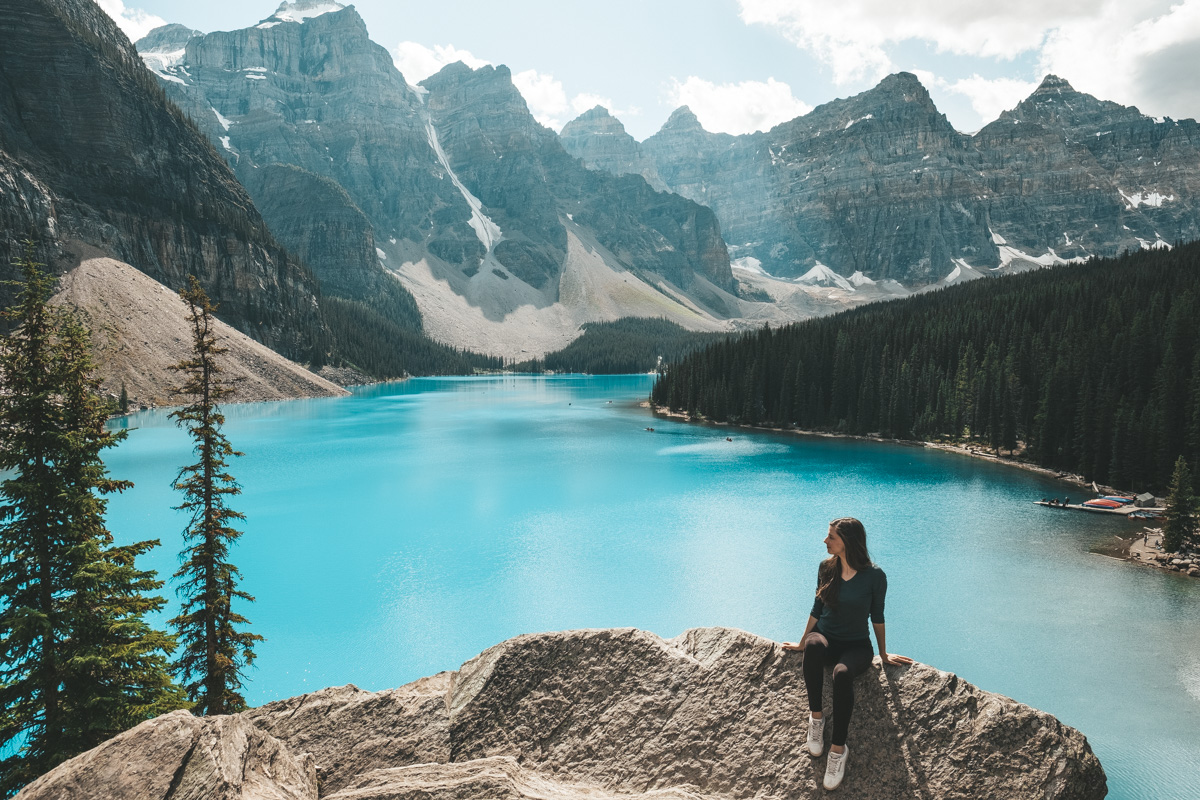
x=849, y=589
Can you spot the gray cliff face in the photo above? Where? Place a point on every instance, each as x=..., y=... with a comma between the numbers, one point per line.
x=91, y=152
x=528, y=184
x=881, y=182
x=599, y=139
x=319, y=95
x=600, y=714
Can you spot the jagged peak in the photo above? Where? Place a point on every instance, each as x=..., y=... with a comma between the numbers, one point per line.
x=301, y=10
x=595, y=112
x=682, y=119
x=905, y=81
x=596, y=119
x=1053, y=82
x=166, y=37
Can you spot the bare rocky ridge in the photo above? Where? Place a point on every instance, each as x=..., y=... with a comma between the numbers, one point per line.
x=713, y=713
x=139, y=328
x=452, y=186
x=881, y=183
x=91, y=150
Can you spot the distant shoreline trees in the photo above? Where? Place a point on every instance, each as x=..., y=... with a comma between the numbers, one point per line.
x=1092, y=369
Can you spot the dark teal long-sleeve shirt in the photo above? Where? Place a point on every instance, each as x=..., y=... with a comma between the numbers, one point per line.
x=858, y=598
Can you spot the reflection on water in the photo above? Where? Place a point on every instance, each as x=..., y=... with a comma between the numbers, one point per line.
x=400, y=531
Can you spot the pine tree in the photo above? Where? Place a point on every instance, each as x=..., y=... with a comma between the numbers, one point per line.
x=78, y=663
x=34, y=565
x=216, y=649
x=115, y=668
x=1182, y=515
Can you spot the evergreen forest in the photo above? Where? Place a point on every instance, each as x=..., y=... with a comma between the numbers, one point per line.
x=627, y=345
x=1092, y=369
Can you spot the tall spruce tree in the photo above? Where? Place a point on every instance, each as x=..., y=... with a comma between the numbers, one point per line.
x=34, y=562
x=215, y=647
x=115, y=665
x=1182, y=515
x=78, y=663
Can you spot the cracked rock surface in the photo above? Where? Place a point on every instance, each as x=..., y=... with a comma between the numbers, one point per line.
x=594, y=714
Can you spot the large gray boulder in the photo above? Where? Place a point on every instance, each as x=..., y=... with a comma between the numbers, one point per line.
x=180, y=757
x=712, y=713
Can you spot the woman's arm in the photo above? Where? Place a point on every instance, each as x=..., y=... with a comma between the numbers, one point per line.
x=812, y=623
x=887, y=658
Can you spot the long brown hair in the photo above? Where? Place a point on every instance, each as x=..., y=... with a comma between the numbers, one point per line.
x=829, y=576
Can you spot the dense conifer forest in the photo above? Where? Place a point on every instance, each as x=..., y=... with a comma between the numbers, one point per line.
x=630, y=344
x=1091, y=369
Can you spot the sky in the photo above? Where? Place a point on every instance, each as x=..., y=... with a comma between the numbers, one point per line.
x=745, y=65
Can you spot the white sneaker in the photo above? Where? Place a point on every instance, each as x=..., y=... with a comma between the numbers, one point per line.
x=816, y=735
x=835, y=769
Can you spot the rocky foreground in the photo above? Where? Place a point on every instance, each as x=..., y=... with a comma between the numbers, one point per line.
x=712, y=713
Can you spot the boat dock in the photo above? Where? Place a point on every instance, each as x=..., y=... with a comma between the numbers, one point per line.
x=1125, y=511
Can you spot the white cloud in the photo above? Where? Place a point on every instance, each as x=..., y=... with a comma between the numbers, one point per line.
x=1133, y=57
x=988, y=96
x=133, y=21
x=547, y=99
x=417, y=62
x=1140, y=52
x=545, y=96
x=737, y=107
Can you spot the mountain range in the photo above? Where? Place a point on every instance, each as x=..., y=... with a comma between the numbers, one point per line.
x=444, y=208
x=882, y=185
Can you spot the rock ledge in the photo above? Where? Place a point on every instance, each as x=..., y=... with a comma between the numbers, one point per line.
x=590, y=715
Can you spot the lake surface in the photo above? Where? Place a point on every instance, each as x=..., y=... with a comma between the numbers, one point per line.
x=401, y=531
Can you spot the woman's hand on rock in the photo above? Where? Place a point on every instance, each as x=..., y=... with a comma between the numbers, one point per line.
x=893, y=660
x=792, y=646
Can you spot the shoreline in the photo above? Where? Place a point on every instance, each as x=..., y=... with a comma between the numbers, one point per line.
x=1117, y=547
x=970, y=451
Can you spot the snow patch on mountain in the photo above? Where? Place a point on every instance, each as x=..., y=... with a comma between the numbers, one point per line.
x=303, y=9
x=748, y=264
x=1009, y=254
x=822, y=275
x=487, y=230
x=858, y=279
x=1157, y=244
x=1152, y=199
x=961, y=273
x=222, y=120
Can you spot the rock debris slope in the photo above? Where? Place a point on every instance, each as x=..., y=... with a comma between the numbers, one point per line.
x=139, y=329
x=713, y=713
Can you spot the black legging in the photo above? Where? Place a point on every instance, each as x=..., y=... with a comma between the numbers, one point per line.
x=850, y=659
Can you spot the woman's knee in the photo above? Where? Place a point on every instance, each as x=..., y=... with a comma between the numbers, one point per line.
x=842, y=674
x=815, y=641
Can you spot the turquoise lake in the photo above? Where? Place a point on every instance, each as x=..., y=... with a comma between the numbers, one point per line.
x=402, y=530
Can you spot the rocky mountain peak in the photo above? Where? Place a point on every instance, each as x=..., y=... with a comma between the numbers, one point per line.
x=682, y=119
x=1054, y=83
x=301, y=10
x=594, y=122
x=171, y=36
x=1056, y=103
x=903, y=87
